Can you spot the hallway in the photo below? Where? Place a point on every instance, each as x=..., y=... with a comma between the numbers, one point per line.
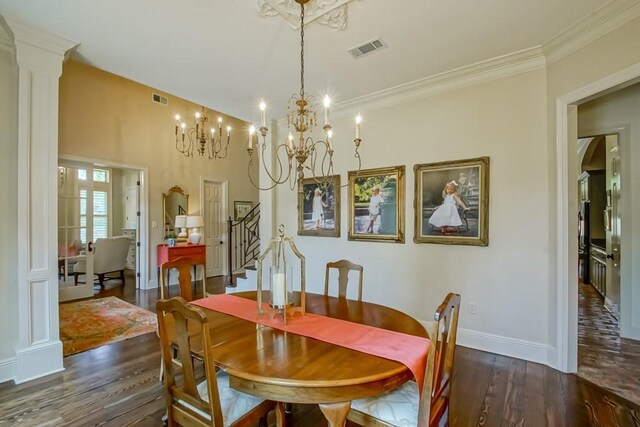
x=603, y=357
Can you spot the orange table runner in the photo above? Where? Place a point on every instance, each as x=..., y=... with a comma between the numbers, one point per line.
x=407, y=349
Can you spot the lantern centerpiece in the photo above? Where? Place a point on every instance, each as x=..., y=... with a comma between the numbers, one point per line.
x=277, y=298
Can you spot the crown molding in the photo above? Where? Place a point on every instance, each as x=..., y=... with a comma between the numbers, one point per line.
x=608, y=18
x=26, y=34
x=484, y=71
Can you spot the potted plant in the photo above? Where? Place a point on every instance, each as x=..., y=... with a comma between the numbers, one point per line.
x=170, y=238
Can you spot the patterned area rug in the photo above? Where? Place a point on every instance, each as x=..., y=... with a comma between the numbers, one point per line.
x=93, y=323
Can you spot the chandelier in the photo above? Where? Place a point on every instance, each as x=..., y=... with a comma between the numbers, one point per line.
x=198, y=138
x=299, y=151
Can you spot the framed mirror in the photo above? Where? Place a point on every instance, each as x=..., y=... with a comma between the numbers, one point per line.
x=175, y=202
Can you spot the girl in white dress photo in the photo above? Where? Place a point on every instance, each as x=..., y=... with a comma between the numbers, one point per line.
x=446, y=216
x=317, y=210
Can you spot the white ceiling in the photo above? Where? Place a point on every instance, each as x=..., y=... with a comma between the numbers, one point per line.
x=222, y=54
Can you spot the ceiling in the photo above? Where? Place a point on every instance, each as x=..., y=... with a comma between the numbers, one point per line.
x=223, y=54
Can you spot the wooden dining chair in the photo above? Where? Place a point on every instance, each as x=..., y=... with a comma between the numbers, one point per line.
x=398, y=407
x=184, y=265
x=344, y=267
x=211, y=402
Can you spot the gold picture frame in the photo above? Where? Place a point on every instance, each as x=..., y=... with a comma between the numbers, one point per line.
x=319, y=217
x=377, y=204
x=451, y=202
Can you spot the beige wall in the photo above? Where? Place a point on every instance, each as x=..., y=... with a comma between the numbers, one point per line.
x=9, y=201
x=504, y=119
x=103, y=116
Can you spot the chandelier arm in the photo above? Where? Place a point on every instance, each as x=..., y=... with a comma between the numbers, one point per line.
x=279, y=180
x=253, y=182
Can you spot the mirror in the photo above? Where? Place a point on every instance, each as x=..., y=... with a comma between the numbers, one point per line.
x=175, y=202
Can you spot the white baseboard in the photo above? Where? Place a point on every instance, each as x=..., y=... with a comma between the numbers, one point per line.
x=151, y=284
x=506, y=346
x=7, y=368
x=38, y=361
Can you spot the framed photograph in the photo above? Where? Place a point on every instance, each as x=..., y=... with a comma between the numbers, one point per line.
x=376, y=204
x=241, y=209
x=319, y=207
x=452, y=202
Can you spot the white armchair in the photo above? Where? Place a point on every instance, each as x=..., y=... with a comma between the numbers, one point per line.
x=109, y=256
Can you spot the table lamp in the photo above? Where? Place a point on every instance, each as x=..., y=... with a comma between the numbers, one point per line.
x=194, y=222
x=181, y=223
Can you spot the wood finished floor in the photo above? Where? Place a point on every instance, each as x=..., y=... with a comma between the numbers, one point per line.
x=603, y=357
x=117, y=385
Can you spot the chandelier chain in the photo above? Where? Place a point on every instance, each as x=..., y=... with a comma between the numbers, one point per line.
x=301, y=51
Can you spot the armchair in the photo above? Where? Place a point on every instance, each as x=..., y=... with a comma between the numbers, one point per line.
x=110, y=256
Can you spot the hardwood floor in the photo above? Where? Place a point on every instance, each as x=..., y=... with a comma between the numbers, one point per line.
x=603, y=357
x=117, y=385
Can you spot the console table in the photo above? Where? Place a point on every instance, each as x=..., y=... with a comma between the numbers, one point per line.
x=198, y=253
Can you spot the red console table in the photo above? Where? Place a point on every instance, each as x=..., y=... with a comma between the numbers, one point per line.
x=171, y=253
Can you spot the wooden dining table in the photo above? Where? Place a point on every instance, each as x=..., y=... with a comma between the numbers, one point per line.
x=285, y=367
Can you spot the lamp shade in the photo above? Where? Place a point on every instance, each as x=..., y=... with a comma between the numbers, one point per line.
x=194, y=221
x=181, y=221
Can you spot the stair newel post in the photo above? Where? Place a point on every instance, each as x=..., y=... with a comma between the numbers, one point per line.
x=230, y=251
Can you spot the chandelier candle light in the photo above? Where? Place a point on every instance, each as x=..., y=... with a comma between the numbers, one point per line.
x=199, y=139
x=301, y=147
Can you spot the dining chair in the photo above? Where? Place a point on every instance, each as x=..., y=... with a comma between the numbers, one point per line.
x=211, y=402
x=184, y=265
x=398, y=407
x=343, y=266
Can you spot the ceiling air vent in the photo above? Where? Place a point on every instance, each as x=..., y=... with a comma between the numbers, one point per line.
x=159, y=99
x=368, y=48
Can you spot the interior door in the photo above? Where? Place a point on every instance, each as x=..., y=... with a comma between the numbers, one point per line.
x=214, y=229
x=613, y=225
x=75, y=231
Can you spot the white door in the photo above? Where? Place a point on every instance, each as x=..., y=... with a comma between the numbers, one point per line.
x=214, y=227
x=132, y=211
x=75, y=231
x=613, y=225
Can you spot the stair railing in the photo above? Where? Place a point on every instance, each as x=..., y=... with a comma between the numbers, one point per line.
x=243, y=242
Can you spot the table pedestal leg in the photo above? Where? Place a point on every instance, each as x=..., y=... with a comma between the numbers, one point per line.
x=281, y=420
x=335, y=413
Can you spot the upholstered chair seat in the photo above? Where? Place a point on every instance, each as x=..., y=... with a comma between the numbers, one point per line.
x=398, y=407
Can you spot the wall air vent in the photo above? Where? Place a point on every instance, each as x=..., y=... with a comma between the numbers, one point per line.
x=368, y=48
x=159, y=99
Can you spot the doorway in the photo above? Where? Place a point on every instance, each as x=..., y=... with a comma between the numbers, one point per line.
x=214, y=211
x=122, y=211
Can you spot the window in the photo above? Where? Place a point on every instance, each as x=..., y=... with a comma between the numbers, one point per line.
x=101, y=203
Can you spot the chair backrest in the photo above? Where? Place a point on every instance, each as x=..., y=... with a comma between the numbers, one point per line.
x=434, y=400
x=177, y=318
x=343, y=266
x=184, y=266
x=110, y=254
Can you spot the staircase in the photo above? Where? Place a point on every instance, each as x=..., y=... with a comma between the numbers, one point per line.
x=243, y=249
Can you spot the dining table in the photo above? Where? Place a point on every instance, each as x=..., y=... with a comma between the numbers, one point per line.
x=285, y=367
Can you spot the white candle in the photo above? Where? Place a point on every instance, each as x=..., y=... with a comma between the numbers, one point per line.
x=263, y=113
x=252, y=129
x=358, y=121
x=327, y=103
x=228, y=130
x=219, y=122
x=290, y=141
x=278, y=290
x=329, y=136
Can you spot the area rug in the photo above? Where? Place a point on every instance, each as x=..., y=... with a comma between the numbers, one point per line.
x=93, y=323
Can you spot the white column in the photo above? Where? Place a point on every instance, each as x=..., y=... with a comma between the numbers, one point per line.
x=39, y=56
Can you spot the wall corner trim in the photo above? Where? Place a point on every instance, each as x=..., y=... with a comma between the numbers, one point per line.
x=601, y=22
x=41, y=39
x=38, y=361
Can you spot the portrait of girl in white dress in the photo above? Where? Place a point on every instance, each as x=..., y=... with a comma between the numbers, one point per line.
x=446, y=216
